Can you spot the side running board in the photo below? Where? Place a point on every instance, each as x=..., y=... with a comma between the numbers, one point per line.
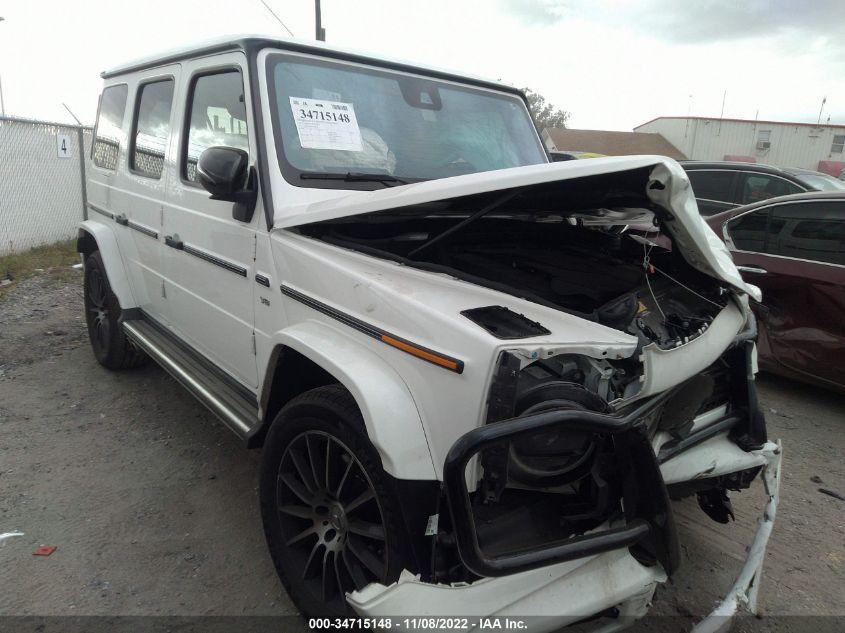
x=230, y=401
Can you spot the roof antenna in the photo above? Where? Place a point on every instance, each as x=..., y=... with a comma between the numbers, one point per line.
x=278, y=19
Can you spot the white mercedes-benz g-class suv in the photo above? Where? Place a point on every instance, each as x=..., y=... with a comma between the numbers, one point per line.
x=477, y=377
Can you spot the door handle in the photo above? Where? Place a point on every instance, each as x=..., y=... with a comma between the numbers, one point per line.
x=121, y=220
x=751, y=269
x=173, y=242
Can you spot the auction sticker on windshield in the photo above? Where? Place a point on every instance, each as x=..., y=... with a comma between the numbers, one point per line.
x=326, y=124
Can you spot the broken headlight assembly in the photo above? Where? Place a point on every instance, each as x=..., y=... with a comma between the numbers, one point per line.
x=561, y=477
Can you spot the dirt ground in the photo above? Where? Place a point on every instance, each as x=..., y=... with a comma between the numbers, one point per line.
x=153, y=505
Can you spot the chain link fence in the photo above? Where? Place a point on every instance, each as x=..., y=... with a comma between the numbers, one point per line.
x=42, y=181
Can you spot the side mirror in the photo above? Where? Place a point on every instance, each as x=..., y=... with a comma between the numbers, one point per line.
x=225, y=173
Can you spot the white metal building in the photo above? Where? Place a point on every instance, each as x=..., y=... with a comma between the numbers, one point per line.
x=778, y=143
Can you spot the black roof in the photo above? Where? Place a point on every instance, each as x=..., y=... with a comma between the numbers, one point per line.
x=252, y=44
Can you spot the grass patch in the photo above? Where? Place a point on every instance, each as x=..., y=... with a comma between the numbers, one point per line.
x=20, y=266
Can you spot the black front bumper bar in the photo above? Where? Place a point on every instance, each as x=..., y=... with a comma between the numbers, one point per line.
x=650, y=518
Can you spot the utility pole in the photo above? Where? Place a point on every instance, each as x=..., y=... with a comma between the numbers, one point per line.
x=689, y=109
x=819, y=120
x=321, y=32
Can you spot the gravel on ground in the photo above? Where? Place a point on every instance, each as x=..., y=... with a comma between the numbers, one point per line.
x=152, y=504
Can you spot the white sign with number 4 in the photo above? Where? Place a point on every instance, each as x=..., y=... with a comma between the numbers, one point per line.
x=63, y=146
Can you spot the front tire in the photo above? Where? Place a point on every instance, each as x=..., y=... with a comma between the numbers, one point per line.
x=331, y=514
x=112, y=348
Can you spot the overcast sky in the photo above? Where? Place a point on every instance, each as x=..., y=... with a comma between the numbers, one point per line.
x=613, y=65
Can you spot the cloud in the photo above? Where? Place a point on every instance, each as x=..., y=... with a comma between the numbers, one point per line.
x=799, y=29
x=708, y=21
x=698, y=22
x=535, y=12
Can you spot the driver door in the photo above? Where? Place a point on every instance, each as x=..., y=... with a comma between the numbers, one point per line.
x=211, y=259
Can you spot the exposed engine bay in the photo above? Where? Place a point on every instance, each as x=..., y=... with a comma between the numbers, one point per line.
x=602, y=254
x=581, y=260
x=629, y=280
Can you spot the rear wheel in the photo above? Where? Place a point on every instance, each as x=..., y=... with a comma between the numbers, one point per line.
x=110, y=344
x=330, y=511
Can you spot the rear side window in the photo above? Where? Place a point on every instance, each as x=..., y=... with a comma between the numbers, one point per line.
x=217, y=118
x=758, y=187
x=748, y=232
x=713, y=185
x=107, y=135
x=814, y=231
x=152, y=128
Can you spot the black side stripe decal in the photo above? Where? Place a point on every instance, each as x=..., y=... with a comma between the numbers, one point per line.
x=123, y=221
x=142, y=229
x=365, y=328
x=213, y=259
x=169, y=241
x=179, y=245
x=351, y=321
x=263, y=280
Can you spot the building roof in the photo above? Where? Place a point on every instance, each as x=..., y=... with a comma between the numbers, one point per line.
x=612, y=143
x=756, y=121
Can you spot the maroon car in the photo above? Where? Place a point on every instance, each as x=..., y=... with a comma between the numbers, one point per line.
x=793, y=248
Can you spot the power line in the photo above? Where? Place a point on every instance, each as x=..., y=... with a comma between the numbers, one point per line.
x=278, y=19
x=78, y=122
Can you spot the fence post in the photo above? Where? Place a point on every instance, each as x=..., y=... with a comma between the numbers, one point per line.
x=81, y=136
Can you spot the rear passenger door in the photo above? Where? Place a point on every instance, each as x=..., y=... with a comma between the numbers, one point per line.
x=714, y=189
x=140, y=183
x=210, y=266
x=109, y=141
x=795, y=252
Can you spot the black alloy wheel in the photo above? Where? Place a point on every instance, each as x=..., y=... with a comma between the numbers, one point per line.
x=330, y=516
x=330, y=511
x=112, y=348
x=99, y=309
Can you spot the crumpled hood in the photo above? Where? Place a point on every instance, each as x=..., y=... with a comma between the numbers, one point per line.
x=668, y=186
x=700, y=246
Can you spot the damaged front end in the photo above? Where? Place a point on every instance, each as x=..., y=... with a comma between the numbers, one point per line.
x=558, y=474
x=587, y=482
x=563, y=510
x=556, y=501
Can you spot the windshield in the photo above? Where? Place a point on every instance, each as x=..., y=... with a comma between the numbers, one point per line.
x=821, y=182
x=343, y=119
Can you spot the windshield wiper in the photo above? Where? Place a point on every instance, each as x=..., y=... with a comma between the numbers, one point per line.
x=353, y=176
